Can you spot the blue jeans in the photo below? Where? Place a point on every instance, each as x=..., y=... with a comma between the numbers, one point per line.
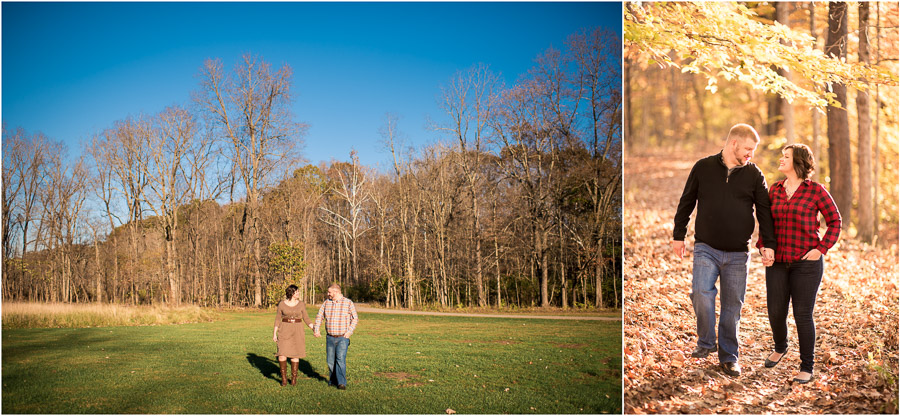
x=336, y=355
x=796, y=283
x=711, y=265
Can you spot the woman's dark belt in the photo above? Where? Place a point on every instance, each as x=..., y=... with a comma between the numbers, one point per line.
x=292, y=320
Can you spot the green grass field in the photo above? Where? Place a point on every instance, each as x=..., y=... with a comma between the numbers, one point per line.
x=396, y=364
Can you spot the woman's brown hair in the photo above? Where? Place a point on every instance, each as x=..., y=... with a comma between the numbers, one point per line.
x=804, y=162
x=289, y=292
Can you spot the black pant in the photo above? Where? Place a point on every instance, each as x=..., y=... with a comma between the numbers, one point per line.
x=796, y=282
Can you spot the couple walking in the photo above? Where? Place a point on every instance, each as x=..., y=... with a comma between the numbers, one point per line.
x=725, y=188
x=340, y=318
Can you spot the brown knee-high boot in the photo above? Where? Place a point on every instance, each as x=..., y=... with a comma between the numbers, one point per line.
x=295, y=365
x=283, y=365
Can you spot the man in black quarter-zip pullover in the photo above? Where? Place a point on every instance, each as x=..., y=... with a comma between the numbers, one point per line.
x=725, y=188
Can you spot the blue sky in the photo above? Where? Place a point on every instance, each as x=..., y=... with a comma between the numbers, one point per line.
x=70, y=70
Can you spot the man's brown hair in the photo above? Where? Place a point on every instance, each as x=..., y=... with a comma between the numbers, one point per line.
x=744, y=131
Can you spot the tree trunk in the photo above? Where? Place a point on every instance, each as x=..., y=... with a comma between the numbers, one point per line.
x=773, y=114
x=699, y=96
x=479, y=276
x=675, y=98
x=203, y=278
x=876, y=165
x=866, y=226
x=773, y=101
x=782, y=15
x=617, y=278
x=598, y=300
x=479, y=273
x=384, y=267
x=839, y=160
x=196, y=270
x=355, y=263
x=115, y=281
x=497, y=268
x=442, y=238
x=67, y=274
x=219, y=261
x=171, y=272
x=99, y=281
x=817, y=150
x=562, y=266
x=410, y=274
x=24, y=246
x=584, y=288
x=257, y=275
x=8, y=286
x=545, y=275
x=134, y=259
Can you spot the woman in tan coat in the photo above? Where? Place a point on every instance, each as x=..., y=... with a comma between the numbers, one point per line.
x=289, y=334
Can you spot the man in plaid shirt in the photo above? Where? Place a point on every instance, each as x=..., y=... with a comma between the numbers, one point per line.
x=340, y=322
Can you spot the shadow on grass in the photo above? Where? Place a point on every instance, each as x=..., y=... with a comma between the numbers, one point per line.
x=269, y=367
x=307, y=369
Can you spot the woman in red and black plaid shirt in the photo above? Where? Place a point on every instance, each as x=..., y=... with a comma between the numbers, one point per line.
x=796, y=272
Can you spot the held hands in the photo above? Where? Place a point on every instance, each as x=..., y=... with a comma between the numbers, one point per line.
x=813, y=255
x=317, y=335
x=768, y=256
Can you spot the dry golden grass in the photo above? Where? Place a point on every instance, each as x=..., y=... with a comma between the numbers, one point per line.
x=70, y=315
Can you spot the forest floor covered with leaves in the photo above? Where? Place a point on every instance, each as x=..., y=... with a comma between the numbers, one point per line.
x=856, y=368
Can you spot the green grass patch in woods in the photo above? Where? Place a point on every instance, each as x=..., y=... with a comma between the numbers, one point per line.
x=396, y=364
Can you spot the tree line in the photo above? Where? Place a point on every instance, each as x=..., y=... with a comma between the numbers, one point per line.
x=210, y=203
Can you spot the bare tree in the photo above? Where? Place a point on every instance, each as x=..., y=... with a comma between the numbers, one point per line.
x=599, y=63
x=529, y=158
x=96, y=227
x=353, y=191
x=35, y=175
x=62, y=204
x=409, y=207
x=251, y=109
x=311, y=191
x=496, y=254
x=382, y=191
x=125, y=152
x=28, y=166
x=13, y=158
x=562, y=96
x=168, y=175
x=102, y=151
x=470, y=101
x=204, y=185
x=439, y=185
